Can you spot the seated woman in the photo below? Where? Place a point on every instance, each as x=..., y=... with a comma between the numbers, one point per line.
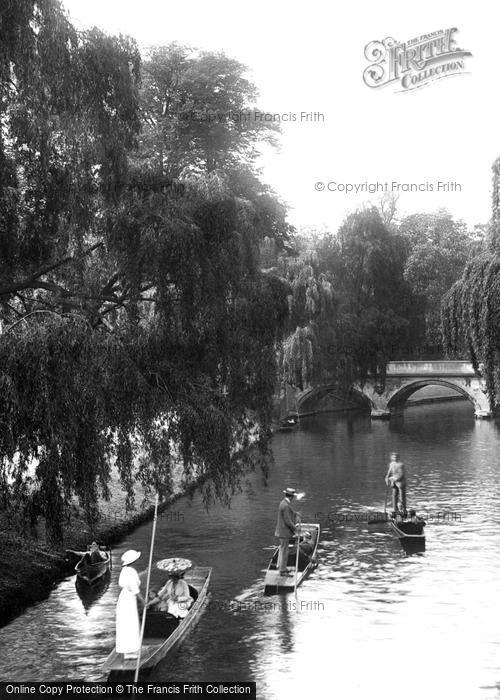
x=306, y=550
x=174, y=597
x=96, y=555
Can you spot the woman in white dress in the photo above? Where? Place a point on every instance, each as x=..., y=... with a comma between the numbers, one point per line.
x=175, y=597
x=127, y=614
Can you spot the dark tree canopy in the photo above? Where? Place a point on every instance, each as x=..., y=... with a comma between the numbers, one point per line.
x=135, y=312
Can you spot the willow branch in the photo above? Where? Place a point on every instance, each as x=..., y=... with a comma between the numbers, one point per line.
x=31, y=281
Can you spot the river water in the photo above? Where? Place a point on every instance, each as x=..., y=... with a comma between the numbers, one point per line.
x=372, y=622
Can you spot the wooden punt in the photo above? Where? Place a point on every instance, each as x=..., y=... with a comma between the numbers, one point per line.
x=406, y=529
x=90, y=573
x=163, y=633
x=274, y=582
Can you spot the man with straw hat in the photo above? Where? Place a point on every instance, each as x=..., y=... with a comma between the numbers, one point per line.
x=127, y=614
x=285, y=529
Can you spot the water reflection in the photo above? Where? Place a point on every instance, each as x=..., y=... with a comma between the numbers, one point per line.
x=372, y=620
x=90, y=594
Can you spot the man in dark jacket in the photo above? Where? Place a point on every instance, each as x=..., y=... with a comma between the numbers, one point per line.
x=285, y=529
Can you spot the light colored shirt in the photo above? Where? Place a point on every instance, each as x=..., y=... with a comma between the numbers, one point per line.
x=396, y=472
x=175, y=598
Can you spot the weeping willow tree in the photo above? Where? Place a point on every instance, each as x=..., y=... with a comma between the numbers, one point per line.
x=351, y=309
x=471, y=309
x=311, y=304
x=134, y=309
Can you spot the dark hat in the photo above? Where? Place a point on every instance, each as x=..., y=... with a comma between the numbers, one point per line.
x=290, y=492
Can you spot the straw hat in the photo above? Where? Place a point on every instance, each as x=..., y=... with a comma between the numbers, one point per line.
x=175, y=566
x=130, y=556
x=290, y=492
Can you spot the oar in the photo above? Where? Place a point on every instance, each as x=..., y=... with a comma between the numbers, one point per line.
x=143, y=623
x=297, y=568
x=376, y=521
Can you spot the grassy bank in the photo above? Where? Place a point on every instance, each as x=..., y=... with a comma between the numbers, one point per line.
x=31, y=567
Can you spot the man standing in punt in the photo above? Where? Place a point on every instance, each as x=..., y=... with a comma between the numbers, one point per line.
x=396, y=478
x=285, y=529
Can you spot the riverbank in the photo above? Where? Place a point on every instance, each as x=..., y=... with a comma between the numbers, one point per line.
x=31, y=568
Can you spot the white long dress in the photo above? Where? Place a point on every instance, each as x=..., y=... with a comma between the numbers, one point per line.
x=177, y=596
x=127, y=615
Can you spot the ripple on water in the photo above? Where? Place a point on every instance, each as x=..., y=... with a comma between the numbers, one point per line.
x=362, y=605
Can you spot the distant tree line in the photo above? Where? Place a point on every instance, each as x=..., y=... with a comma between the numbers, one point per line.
x=369, y=293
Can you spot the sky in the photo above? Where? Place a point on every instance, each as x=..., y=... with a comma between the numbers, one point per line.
x=309, y=57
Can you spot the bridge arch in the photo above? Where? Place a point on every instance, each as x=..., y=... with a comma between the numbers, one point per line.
x=400, y=396
x=309, y=400
x=404, y=378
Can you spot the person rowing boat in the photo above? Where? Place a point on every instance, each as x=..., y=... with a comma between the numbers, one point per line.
x=95, y=555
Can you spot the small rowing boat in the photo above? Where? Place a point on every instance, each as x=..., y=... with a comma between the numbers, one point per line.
x=91, y=571
x=290, y=422
x=274, y=582
x=163, y=632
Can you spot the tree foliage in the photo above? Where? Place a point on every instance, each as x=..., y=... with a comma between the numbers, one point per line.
x=350, y=308
x=198, y=112
x=471, y=309
x=438, y=250
x=135, y=309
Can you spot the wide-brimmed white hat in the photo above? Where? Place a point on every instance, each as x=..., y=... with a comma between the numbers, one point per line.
x=290, y=492
x=130, y=556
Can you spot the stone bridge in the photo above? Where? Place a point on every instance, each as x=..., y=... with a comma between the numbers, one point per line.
x=405, y=378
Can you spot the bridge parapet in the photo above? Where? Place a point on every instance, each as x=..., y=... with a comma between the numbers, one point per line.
x=427, y=368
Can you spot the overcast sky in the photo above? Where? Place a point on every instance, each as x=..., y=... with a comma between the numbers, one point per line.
x=309, y=57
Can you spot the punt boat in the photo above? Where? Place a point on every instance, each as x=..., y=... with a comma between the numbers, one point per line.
x=163, y=632
x=274, y=582
x=407, y=529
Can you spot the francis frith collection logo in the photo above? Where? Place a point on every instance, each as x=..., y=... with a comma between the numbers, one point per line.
x=416, y=62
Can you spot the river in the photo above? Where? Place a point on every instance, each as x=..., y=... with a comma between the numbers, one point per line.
x=373, y=622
